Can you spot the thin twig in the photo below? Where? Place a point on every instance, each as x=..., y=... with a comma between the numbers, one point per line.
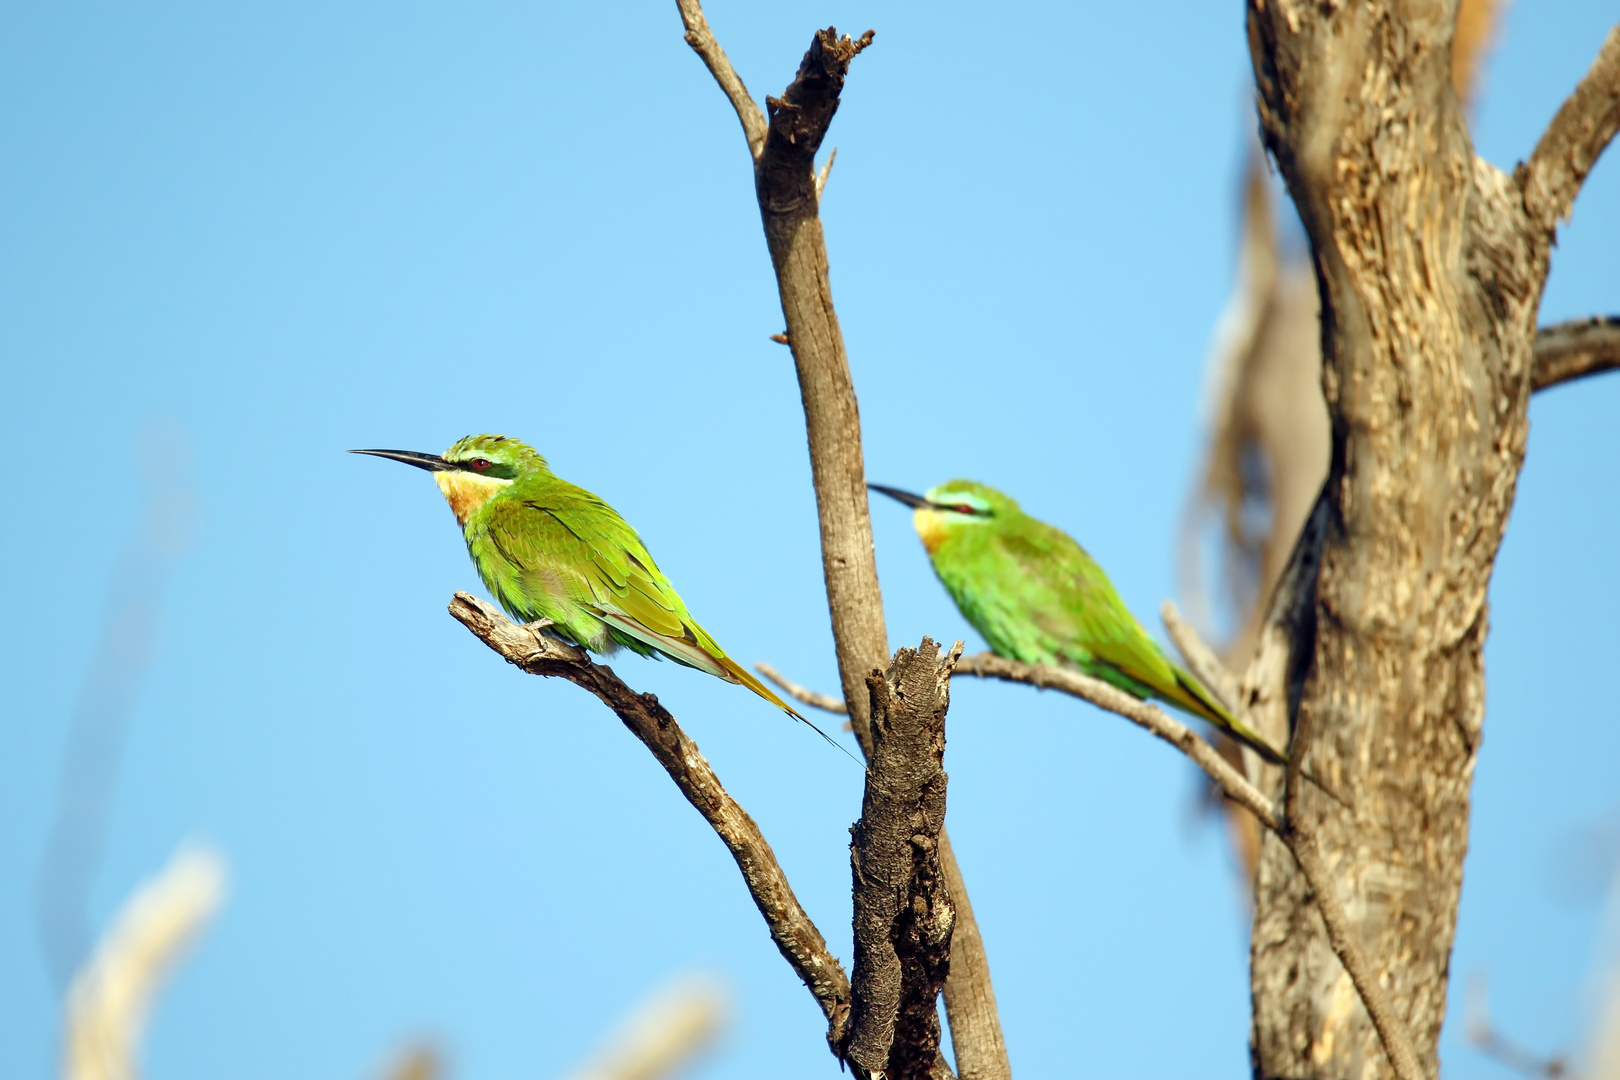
x=1201, y=659
x=1298, y=832
x=1575, y=349
x=826, y=171
x=970, y=997
x=1573, y=141
x=714, y=58
x=795, y=935
x=1154, y=719
x=1493, y=1044
x=665, y=1033
x=789, y=204
x=813, y=698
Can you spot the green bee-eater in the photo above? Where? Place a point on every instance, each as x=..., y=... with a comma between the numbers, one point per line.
x=548, y=549
x=1037, y=597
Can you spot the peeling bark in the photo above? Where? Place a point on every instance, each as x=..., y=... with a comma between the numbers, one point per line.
x=1430, y=263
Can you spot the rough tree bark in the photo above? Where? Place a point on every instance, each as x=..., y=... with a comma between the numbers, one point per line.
x=783, y=150
x=894, y=1003
x=1430, y=263
x=903, y=910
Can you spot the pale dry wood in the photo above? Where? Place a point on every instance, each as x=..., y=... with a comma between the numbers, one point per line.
x=826, y=171
x=1430, y=264
x=111, y=996
x=796, y=936
x=785, y=183
x=903, y=910
x=1201, y=659
x=813, y=698
x=664, y=1034
x=786, y=187
x=1574, y=350
x=1574, y=140
x=970, y=996
x=1299, y=833
x=702, y=40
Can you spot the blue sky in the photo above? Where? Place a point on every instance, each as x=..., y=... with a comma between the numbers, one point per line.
x=290, y=229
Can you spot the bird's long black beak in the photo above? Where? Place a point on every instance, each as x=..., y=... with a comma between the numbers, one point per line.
x=430, y=462
x=901, y=496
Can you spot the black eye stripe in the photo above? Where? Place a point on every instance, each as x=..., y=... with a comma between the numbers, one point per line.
x=490, y=468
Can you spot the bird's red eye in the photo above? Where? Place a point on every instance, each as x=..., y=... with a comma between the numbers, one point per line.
x=481, y=464
x=964, y=508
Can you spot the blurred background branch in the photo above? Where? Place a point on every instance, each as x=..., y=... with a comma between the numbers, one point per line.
x=111, y=998
x=1482, y=1033
x=124, y=652
x=668, y=1032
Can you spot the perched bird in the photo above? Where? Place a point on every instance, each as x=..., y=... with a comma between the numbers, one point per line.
x=550, y=550
x=1037, y=597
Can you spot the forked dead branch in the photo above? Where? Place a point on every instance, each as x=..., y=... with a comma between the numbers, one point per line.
x=788, y=188
x=902, y=898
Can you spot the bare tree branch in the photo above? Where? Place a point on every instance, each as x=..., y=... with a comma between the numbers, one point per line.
x=785, y=183
x=1154, y=719
x=970, y=998
x=826, y=171
x=111, y=995
x=1493, y=1044
x=665, y=1033
x=813, y=698
x=1575, y=349
x=1574, y=140
x=1299, y=834
x=1291, y=830
x=801, y=944
x=903, y=911
x=1201, y=659
x=714, y=58
x=786, y=187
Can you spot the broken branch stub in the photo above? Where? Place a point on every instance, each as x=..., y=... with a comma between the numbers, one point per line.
x=903, y=910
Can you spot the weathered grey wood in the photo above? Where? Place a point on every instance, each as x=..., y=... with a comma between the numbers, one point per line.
x=789, y=195
x=1574, y=350
x=1430, y=263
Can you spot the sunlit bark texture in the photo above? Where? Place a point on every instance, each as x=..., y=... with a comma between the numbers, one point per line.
x=1430, y=264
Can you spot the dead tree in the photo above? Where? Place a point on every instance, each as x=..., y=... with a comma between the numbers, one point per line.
x=1429, y=264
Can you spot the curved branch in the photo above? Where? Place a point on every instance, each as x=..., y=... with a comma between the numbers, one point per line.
x=1575, y=349
x=701, y=38
x=1290, y=830
x=795, y=935
x=802, y=694
x=1573, y=141
x=1299, y=833
x=1151, y=717
x=903, y=906
x=1201, y=659
x=788, y=191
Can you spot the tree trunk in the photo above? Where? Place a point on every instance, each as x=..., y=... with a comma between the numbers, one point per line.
x=1430, y=264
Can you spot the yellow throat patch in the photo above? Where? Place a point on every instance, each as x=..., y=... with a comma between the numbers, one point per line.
x=466, y=492
x=930, y=526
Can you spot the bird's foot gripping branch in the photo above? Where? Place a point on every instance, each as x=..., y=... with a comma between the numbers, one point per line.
x=886, y=1023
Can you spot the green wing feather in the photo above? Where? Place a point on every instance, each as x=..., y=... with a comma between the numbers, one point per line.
x=1038, y=597
x=555, y=551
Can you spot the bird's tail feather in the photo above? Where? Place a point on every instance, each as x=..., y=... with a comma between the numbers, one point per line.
x=739, y=674
x=1205, y=704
